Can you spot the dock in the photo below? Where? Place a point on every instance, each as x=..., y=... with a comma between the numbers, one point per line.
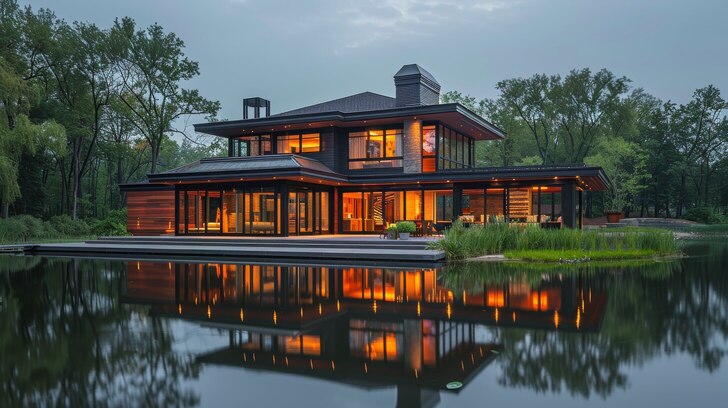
x=368, y=248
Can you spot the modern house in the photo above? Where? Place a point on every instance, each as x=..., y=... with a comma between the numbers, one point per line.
x=355, y=165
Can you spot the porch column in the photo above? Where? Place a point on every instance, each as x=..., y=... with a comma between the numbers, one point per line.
x=412, y=146
x=284, y=208
x=568, y=204
x=457, y=202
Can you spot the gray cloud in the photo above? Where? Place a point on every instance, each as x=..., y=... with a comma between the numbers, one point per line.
x=301, y=52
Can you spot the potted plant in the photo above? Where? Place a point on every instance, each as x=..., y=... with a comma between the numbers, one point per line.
x=405, y=228
x=392, y=231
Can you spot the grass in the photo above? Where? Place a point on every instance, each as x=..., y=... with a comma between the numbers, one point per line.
x=462, y=243
x=49, y=240
x=578, y=255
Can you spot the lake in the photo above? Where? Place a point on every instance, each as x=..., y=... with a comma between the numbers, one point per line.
x=79, y=332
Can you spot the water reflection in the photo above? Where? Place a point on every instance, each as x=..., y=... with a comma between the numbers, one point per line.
x=88, y=332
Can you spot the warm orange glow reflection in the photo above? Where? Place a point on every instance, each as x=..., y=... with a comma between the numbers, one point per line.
x=383, y=346
x=496, y=298
x=556, y=319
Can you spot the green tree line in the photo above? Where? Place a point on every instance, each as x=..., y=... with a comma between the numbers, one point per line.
x=663, y=159
x=85, y=108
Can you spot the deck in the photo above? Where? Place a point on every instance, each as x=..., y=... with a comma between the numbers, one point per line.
x=329, y=247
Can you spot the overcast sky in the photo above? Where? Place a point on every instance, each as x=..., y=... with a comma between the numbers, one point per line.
x=298, y=52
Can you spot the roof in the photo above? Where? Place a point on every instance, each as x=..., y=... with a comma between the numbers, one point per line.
x=295, y=166
x=456, y=115
x=277, y=164
x=365, y=101
x=414, y=69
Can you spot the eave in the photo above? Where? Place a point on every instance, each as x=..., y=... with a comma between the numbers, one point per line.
x=455, y=115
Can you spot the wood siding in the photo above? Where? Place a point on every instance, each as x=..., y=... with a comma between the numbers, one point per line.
x=150, y=212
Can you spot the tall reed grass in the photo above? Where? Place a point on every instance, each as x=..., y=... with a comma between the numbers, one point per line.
x=460, y=242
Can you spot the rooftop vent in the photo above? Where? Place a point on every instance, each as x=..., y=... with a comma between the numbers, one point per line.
x=254, y=108
x=415, y=87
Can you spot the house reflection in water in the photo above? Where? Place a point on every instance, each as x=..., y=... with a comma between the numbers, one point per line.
x=368, y=326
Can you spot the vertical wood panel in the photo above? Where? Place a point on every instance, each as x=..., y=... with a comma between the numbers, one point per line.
x=150, y=212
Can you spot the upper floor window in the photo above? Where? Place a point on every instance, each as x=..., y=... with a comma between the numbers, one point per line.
x=300, y=143
x=375, y=148
x=454, y=150
x=257, y=145
x=429, y=138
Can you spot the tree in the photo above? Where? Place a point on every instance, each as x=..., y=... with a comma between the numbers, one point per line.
x=701, y=139
x=152, y=66
x=624, y=163
x=565, y=116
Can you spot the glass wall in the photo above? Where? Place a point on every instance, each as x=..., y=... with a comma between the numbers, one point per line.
x=531, y=205
x=375, y=149
x=308, y=212
x=374, y=211
x=454, y=150
x=257, y=145
x=248, y=211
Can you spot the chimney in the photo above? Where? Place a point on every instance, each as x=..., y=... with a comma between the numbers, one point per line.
x=254, y=108
x=415, y=87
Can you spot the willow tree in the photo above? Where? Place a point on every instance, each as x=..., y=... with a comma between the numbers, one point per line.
x=152, y=67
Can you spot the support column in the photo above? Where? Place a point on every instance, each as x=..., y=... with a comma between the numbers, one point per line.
x=568, y=204
x=284, y=208
x=457, y=202
x=412, y=146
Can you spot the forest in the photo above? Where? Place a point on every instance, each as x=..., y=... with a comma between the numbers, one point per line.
x=85, y=108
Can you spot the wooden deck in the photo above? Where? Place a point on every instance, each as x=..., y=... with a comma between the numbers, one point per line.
x=355, y=248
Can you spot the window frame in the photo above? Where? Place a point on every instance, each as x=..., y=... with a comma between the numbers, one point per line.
x=383, y=157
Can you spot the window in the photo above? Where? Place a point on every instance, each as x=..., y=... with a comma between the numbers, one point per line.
x=299, y=143
x=455, y=150
x=380, y=148
x=429, y=134
x=256, y=145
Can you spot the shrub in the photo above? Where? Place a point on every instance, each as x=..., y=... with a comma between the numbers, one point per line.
x=67, y=226
x=706, y=215
x=13, y=230
x=113, y=225
x=406, y=227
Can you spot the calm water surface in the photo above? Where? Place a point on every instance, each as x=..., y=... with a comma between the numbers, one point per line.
x=79, y=332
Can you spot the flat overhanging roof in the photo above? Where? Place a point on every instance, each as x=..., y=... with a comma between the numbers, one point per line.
x=454, y=115
x=295, y=167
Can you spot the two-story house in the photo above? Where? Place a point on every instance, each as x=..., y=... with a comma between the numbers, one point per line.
x=355, y=165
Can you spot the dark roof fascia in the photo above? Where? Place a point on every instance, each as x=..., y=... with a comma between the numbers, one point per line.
x=145, y=186
x=478, y=174
x=232, y=174
x=216, y=127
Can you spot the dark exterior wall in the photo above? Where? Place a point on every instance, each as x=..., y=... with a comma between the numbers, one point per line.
x=150, y=212
x=327, y=155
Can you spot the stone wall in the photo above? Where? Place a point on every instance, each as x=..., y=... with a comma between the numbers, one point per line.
x=412, y=146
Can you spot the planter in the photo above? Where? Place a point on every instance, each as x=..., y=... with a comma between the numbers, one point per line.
x=391, y=234
x=404, y=235
x=613, y=217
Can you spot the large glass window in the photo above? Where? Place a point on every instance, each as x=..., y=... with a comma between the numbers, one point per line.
x=299, y=143
x=374, y=148
x=455, y=150
x=256, y=145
